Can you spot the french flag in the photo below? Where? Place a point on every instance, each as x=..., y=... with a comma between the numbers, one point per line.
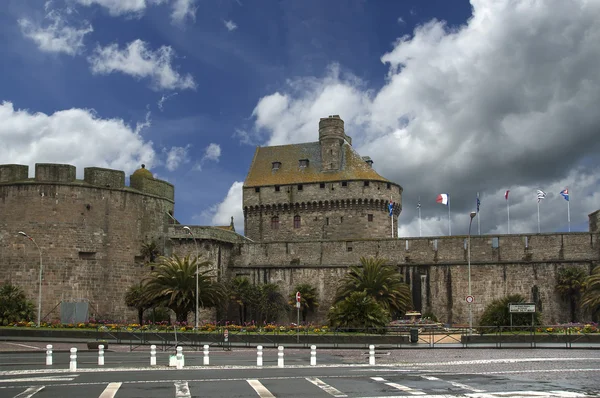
x=443, y=198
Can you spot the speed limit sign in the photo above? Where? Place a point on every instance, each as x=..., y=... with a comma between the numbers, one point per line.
x=470, y=299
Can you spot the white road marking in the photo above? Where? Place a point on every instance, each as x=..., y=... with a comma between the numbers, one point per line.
x=520, y=394
x=30, y=392
x=260, y=389
x=455, y=384
x=182, y=390
x=42, y=378
x=326, y=387
x=505, y=360
x=24, y=345
x=399, y=386
x=111, y=390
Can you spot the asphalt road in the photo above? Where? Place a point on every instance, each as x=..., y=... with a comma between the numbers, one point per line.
x=398, y=373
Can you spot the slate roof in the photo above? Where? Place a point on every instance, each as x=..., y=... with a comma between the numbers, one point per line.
x=353, y=167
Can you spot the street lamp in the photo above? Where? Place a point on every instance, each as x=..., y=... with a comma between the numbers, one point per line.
x=189, y=231
x=470, y=301
x=39, y=317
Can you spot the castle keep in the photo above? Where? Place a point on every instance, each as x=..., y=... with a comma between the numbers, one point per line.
x=310, y=211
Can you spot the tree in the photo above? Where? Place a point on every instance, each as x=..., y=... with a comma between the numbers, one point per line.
x=569, y=284
x=381, y=281
x=590, y=299
x=14, y=306
x=308, y=299
x=150, y=251
x=173, y=284
x=358, y=310
x=239, y=292
x=137, y=297
x=272, y=303
x=497, y=313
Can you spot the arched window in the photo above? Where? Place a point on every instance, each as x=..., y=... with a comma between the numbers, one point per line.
x=296, y=221
x=275, y=222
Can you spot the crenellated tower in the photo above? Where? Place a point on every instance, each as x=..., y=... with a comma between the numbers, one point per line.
x=318, y=190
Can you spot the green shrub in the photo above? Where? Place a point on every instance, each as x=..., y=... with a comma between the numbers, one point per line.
x=497, y=314
x=14, y=306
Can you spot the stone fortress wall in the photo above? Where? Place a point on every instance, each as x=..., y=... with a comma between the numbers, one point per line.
x=435, y=267
x=90, y=232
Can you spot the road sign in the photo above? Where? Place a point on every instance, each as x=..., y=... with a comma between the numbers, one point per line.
x=297, y=297
x=522, y=307
x=226, y=334
x=470, y=299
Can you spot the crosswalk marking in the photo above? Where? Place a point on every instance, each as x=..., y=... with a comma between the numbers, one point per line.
x=111, y=390
x=182, y=390
x=260, y=389
x=454, y=383
x=30, y=392
x=43, y=378
x=326, y=387
x=399, y=386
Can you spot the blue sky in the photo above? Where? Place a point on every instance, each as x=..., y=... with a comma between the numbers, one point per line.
x=456, y=97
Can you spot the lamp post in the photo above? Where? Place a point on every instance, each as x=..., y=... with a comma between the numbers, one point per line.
x=470, y=301
x=39, y=314
x=189, y=231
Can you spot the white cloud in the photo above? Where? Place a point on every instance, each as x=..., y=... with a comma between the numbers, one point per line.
x=139, y=61
x=230, y=25
x=183, y=9
x=121, y=7
x=507, y=100
x=163, y=99
x=231, y=206
x=212, y=152
x=400, y=20
x=58, y=36
x=74, y=136
x=176, y=156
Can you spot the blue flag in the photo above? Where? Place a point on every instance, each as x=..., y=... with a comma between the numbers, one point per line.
x=478, y=203
x=565, y=194
x=391, y=208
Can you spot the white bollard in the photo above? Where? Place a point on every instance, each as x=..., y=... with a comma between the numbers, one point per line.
x=101, y=355
x=152, y=355
x=371, y=355
x=313, y=355
x=49, y=355
x=259, y=356
x=280, y=356
x=73, y=363
x=179, y=357
x=206, y=358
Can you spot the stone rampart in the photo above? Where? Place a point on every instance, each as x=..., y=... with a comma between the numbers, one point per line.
x=90, y=233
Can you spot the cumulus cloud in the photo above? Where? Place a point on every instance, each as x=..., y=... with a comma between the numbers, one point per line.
x=57, y=36
x=183, y=9
x=176, y=156
x=231, y=206
x=74, y=136
x=230, y=25
x=139, y=61
x=121, y=7
x=212, y=152
x=506, y=101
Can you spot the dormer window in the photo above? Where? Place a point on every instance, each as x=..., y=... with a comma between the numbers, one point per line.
x=276, y=165
x=303, y=163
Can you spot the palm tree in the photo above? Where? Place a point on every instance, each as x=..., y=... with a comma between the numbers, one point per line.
x=380, y=281
x=173, y=284
x=137, y=297
x=308, y=299
x=590, y=298
x=569, y=284
x=358, y=310
x=239, y=288
x=271, y=302
x=150, y=251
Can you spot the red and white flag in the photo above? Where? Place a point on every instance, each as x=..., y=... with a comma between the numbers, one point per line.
x=506, y=194
x=442, y=198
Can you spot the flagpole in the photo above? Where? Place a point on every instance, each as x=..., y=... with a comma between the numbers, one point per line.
x=449, y=222
x=538, y=207
x=508, y=214
x=419, y=216
x=569, y=214
x=478, y=224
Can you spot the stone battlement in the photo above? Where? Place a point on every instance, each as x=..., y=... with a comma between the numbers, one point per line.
x=53, y=173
